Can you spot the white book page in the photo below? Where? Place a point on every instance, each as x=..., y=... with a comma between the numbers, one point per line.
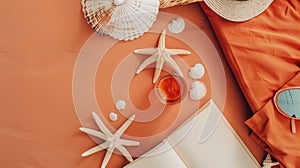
x=222, y=149
x=162, y=156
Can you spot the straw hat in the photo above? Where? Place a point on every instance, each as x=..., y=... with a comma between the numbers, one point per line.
x=234, y=10
x=238, y=10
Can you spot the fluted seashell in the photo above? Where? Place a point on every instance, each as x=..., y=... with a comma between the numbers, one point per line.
x=170, y=3
x=176, y=25
x=120, y=19
x=198, y=90
x=197, y=71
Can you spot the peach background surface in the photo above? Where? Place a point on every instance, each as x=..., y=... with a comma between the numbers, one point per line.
x=40, y=41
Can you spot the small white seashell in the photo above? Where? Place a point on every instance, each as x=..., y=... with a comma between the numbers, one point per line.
x=120, y=105
x=120, y=19
x=113, y=116
x=197, y=71
x=198, y=90
x=176, y=26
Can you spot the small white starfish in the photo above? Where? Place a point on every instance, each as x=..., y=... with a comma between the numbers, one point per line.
x=268, y=163
x=160, y=55
x=112, y=141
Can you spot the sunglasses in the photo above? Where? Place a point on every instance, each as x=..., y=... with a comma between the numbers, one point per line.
x=287, y=102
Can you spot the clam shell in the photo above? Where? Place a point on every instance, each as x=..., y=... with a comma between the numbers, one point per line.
x=121, y=105
x=176, y=26
x=197, y=71
x=170, y=3
x=123, y=20
x=198, y=90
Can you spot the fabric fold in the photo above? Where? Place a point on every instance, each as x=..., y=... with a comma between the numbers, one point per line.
x=264, y=55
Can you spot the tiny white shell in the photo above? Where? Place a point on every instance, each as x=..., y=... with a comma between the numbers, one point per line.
x=113, y=116
x=120, y=105
x=176, y=26
x=197, y=71
x=198, y=90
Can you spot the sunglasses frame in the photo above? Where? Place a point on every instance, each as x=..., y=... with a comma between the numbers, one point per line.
x=276, y=104
x=292, y=119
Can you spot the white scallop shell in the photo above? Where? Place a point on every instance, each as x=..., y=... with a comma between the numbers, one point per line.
x=198, y=90
x=121, y=105
x=176, y=26
x=121, y=19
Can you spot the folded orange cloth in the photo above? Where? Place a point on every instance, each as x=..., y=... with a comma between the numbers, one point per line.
x=264, y=54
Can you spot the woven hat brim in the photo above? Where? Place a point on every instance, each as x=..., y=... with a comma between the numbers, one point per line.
x=238, y=10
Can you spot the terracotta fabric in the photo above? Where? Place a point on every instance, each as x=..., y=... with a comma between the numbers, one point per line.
x=264, y=54
x=39, y=44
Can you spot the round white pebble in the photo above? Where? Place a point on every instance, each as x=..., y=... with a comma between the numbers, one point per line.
x=113, y=116
x=120, y=105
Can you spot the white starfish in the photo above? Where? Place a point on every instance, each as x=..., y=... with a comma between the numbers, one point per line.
x=112, y=141
x=160, y=55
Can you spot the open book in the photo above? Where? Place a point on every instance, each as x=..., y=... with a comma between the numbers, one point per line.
x=223, y=148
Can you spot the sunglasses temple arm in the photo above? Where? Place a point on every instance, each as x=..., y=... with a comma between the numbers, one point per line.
x=293, y=125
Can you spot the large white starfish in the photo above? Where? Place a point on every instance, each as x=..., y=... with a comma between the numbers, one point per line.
x=160, y=55
x=112, y=141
